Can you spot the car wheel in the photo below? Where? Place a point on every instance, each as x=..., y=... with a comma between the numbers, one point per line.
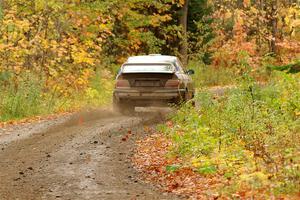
x=193, y=100
x=123, y=107
x=189, y=97
x=128, y=109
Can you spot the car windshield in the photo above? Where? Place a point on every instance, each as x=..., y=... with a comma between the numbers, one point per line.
x=148, y=68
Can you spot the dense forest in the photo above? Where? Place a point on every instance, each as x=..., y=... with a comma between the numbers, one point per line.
x=59, y=49
x=62, y=55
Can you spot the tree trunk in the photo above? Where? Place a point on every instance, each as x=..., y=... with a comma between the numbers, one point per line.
x=274, y=23
x=259, y=39
x=240, y=4
x=1, y=9
x=183, y=23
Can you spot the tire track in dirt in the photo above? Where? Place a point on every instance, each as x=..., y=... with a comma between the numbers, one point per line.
x=83, y=157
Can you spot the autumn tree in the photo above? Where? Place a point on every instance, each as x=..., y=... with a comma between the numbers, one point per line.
x=164, y=27
x=200, y=31
x=184, y=25
x=53, y=39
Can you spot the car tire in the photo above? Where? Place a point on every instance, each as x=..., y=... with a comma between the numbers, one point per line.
x=189, y=97
x=128, y=109
x=124, y=108
x=193, y=102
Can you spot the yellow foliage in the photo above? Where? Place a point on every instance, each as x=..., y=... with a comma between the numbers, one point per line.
x=82, y=57
x=247, y=3
x=256, y=179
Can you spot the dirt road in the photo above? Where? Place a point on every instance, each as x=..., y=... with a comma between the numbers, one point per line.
x=84, y=156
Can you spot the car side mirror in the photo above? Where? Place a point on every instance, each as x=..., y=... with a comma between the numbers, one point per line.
x=190, y=72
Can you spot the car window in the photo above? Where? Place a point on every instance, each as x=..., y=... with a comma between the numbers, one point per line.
x=179, y=66
x=148, y=68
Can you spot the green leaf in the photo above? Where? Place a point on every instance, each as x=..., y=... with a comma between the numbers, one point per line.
x=206, y=170
x=172, y=168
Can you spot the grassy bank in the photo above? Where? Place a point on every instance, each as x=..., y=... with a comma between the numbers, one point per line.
x=249, y=137
x=211, y=75
x=33, y=97
x=207, y=75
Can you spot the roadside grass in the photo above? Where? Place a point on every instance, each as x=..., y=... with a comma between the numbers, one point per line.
x=249, y=137
x=206, y=75
x=221, y=75
x=30, y=97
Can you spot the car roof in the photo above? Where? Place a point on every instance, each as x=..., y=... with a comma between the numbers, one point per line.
x=152, y=58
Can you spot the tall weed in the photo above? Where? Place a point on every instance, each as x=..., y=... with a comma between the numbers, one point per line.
x=206, y=75
x=30, y=96
x=22, y=100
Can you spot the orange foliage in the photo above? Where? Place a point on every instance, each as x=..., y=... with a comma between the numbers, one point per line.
x=152, y=159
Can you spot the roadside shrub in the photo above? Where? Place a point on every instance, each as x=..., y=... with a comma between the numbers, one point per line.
x=206, y=75
x=30, y=96
x=21, y=100
x=250, y=135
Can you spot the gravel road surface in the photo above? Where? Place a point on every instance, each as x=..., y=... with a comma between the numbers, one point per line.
x=80, y=156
